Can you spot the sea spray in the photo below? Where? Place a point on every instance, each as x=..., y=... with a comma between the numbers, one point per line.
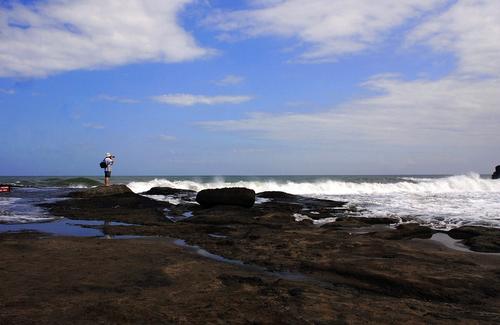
x=441, y=202
x=471, y=183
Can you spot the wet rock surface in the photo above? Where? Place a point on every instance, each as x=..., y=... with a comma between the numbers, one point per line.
x=496, y=173
x=101, y=191
x=113, y=203
x=168, y=191
x=353, y=270
x=407, y=231
x=356, y=222
x=480, y=239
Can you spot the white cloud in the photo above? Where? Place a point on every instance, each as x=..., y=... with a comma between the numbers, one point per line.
x=62, y=35
x=167, y=138
x=330, y=27
x=450, y=111
x=229, y=80
x=451, y=117
x=471, y=30
x=190, y=99
x=121, y=100
x=93, y=126
x=7, y=91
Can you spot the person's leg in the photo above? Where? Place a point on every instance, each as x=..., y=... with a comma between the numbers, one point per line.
x=107, y=176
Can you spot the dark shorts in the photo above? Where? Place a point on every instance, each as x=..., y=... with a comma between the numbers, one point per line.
x=107, y=174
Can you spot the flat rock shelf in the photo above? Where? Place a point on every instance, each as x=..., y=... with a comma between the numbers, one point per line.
x=258, y=265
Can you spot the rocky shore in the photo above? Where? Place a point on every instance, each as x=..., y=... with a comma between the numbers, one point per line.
x=276, y=262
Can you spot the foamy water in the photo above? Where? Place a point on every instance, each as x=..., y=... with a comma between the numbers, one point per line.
x=442, y=203
x=23, y=205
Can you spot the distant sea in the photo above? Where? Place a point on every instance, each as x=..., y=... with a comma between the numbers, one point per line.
x=440, y=201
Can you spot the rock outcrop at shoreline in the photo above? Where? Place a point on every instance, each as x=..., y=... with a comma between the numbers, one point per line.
x=112, y=203
x=480, y=239
x=168, y=191
x=496, y=173
x=101, y=191
x=253, y=264
x=238, y=196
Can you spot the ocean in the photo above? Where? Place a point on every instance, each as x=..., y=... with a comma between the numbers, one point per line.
x=439, y=201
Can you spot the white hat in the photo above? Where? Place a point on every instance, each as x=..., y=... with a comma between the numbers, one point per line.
x=108, y=154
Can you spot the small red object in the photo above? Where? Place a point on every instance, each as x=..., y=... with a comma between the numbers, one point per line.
x=4, y=188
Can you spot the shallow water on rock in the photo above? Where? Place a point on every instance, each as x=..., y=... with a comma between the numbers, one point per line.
x=63, y=227
x=455, y=244
x=285, y=275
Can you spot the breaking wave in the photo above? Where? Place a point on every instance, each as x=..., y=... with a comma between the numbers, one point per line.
x=65, y=182
x=74, y=182
x=470, y=183
x=441, y=203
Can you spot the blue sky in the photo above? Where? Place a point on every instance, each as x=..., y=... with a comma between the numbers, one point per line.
x=192, y=87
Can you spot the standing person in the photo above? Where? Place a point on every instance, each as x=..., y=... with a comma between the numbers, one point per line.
x=108, y=160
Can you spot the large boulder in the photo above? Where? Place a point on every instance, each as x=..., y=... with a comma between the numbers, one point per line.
x=239, y=196
x=496, y=174
x=100, y=191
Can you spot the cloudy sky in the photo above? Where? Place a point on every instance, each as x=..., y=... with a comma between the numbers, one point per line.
x=223, y=87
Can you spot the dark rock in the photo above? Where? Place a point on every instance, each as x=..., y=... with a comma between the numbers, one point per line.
x=359, y=274
x=276, y=195
x=496, y=174
x=485, y=244
x=346, y=221
x=406, y=231
x=113, y=203
x=230, y=280
x=312, y=207
x=295, y=292
x=100, y=191
x=307, y=202
x=239, y=196
x=360, y=222
x=466, y=232
x=167, y=191
x=223, y=215
x=480, y=239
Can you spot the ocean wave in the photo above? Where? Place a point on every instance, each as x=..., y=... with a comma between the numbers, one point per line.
x=37, y=182
x=17, y=219
x=75, y=182
x=442, y=203
x=470, y=183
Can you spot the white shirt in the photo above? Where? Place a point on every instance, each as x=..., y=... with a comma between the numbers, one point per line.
x=109, y=162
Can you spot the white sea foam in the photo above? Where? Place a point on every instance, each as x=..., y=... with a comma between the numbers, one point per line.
x=6, y=201
x=443, y=203
x=166, y=198
x=300, y=217
x=17, y=218
x=77, y=186
x=454, y=184
x=18, y=210
x=261, y=200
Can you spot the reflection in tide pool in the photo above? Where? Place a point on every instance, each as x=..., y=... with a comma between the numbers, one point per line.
x=63, y=227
